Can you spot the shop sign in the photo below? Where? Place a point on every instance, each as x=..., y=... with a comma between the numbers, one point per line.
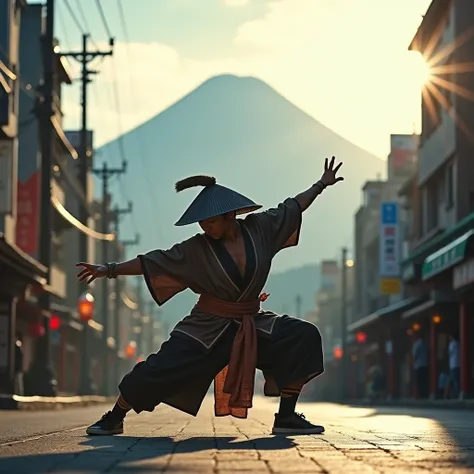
x=389, y=270
x=463, y=274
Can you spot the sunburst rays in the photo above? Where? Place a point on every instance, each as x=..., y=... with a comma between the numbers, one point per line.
x=441, y=81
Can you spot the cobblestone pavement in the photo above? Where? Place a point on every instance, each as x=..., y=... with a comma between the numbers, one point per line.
x=357, y=440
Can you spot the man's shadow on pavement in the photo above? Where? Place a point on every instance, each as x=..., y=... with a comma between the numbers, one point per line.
x=119, y=453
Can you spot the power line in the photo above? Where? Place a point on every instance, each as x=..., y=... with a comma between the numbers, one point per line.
x=104, y=19
x=141, y=151
x=122, y=20
x=81, y=14
x=86, y=23
x=74, y=17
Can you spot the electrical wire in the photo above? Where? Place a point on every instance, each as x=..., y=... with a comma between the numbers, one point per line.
x=86, y=23
x=103, y=17
x=140, y=148
x=74, y=17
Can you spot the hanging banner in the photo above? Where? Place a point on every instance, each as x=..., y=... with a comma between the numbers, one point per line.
x=27, y=226
x=389, y=248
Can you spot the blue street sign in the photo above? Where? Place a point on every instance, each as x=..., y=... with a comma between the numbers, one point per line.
x=389, y=213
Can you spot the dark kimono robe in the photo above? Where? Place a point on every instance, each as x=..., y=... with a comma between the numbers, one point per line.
x=205, y=267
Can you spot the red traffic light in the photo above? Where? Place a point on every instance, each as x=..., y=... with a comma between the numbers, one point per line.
x=361, y=337
x=337, y=353
x=36, y=329
x=54, y=322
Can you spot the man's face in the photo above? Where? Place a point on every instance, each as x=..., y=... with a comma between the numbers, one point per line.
x=215, y=227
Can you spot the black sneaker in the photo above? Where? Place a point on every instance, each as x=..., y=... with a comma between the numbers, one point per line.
x=295, y=424
x=107, y=425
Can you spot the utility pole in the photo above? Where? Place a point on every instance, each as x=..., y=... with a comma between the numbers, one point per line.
x=298, y=306
x=105, y=173
x=141, y=336
x=151, y=326
x=85, y=154
x=117, y=214
x=42, y=375
x=344, y=373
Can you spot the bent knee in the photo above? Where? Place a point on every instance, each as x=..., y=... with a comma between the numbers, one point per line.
x=310, y=332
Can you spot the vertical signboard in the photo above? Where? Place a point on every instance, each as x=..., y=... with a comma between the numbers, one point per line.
x=389, y=248
x=7, y=176
x=27, y=225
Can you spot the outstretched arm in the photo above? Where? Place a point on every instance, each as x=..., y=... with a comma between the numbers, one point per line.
x=90, y=272
x=328, y=178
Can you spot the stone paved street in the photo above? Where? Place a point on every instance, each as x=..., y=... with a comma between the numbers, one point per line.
x=357, y=440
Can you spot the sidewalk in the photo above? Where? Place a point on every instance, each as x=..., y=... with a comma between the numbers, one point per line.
x=467, y=404
x=17, y=402
x=357, y=441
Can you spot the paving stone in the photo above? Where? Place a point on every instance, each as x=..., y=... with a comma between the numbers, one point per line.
x=166, y=441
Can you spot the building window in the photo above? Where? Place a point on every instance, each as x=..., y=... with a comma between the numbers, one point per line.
x=471, y=202
x=432, y=207
x=449, y=188
x=430, y=114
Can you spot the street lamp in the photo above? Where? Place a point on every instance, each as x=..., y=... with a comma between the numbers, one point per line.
x=85, y=308
x=345, y=263
x=131, y=350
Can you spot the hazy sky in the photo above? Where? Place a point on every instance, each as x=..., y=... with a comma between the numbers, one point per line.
x=345, y=62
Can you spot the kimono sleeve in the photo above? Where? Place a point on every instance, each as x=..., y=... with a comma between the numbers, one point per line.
x=169, y=272
x=281, y=225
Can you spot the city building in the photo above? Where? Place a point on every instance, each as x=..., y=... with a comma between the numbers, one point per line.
x=380, y=297
x=21, y=275
x=439, y=264
x=328, y=314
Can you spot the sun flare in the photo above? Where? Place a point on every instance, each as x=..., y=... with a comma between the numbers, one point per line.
x=421, y=70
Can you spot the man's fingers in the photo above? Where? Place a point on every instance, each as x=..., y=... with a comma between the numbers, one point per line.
x=339, y=179
x=91, y=279
x=338, y=167
x=326, y=164
x=332, y=162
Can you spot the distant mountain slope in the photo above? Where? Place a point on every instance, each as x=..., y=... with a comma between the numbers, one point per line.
x=254, y=140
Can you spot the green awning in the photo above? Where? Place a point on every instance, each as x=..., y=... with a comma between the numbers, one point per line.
x=462, y=226
x=446, y=257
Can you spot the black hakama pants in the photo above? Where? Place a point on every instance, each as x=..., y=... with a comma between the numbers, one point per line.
x=181, y=372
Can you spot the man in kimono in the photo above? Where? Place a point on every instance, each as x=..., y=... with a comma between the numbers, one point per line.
x=227, y=335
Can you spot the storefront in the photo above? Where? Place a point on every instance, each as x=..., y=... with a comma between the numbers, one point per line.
x=18, y=273
x=383, y=342
x=446, y=314
x=463, y=285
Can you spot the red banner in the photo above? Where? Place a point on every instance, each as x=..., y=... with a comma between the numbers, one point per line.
x=27, y=225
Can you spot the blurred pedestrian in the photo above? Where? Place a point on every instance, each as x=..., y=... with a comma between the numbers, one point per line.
x=420, y=365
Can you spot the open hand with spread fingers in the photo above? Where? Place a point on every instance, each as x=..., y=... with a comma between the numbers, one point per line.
x=91, y=272
x=329, y=177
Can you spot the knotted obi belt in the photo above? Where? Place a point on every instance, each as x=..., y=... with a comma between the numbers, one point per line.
x=234, y=385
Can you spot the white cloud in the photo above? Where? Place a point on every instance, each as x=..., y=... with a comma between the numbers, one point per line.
x=149, y=78
x=299, y=47
x=235, y=3
x=287, y=24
